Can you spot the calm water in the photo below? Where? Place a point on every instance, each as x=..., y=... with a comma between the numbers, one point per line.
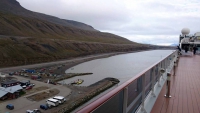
x=122, y=67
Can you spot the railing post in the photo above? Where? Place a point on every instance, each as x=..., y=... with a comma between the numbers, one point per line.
x=167, y=62
x=153, y=82
x=170, y=61
x=143, y=94
x=125, y=99
x=174, y=67
x=177, y=60
x=168, y=86
x=159, y=73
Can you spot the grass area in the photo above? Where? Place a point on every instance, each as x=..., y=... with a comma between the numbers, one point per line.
x=43, y=95
x=33, y=90
x=22, y=93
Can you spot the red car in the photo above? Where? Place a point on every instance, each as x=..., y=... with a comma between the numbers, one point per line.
x=28, y=87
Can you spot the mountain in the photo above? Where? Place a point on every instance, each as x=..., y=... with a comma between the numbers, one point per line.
x=28, y=37
x=174, y=45
x=15, y=25
x=14, y=7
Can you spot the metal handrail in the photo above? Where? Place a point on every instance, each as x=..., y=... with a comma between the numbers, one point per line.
x=101, y=100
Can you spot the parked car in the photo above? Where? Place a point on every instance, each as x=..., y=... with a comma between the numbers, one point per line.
x=44, y=106
x=32, y=85
x=11, y=73
x=24, y=87
x=52, y=83
x=10, y=106
x=16, y=73
x=36, y=111
x=23, y=70
x=33, y=111
x=26, y=75
x=28, y=87
x=29, y=111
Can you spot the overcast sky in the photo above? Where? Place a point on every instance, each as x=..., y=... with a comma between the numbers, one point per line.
x=145, y=21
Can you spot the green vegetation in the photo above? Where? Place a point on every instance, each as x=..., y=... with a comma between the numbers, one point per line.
x=22, y=93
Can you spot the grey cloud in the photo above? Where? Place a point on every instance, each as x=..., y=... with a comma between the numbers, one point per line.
x=100, y=14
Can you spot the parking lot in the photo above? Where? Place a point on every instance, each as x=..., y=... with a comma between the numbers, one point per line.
x=22, y=104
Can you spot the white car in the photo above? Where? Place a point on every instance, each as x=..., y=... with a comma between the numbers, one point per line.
x=33, y=111
x=24, y=86
x=32, y=85
x=52, y=102
x=29, y=111
x=61, y=99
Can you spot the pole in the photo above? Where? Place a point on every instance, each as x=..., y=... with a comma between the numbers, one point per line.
x=159, y=74
x=143, y=94
x=174, y=67
x=168, y=86
x=48, y=86
x=153, y=82
x=177, y=60
x=125, y=99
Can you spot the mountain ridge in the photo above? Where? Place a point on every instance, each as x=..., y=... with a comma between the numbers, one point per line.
x=25, y=39
x=14, y=7
x=31, y=27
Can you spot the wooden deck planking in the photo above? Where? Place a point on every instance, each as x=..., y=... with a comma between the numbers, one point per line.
x=190, y=104
x=185, y=89
x=176, y=93
x=195, y=89
x=171, y=103
x=184, y=95
x=160, y=102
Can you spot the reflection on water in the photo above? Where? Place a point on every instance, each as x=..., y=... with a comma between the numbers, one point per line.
x=122, y=67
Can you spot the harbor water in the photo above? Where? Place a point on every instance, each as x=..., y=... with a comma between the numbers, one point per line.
x=122, y=67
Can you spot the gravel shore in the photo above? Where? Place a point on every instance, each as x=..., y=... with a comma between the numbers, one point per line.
x=68, y=63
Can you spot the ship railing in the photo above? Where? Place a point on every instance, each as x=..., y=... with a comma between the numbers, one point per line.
x=130, y=96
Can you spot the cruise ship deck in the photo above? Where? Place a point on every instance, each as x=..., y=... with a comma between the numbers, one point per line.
x=185, y=88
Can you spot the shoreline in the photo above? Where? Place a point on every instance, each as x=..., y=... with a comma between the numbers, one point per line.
x=69, y=63
x=78, y=94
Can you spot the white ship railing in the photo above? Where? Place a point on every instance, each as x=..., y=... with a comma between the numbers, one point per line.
x=132, y=95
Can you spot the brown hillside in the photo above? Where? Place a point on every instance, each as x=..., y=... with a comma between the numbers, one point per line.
x=23, y=50
x=14, y=7
x=21, y=26
x=26, y=39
